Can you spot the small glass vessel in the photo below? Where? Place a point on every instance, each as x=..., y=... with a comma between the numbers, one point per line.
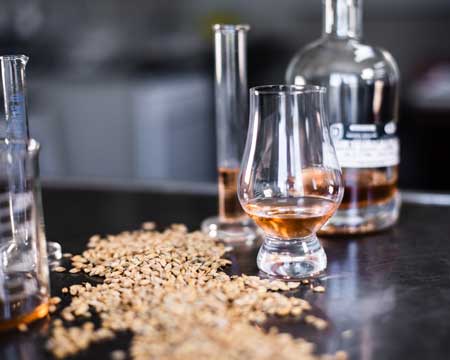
x=14, y=129
x=362, y=84
x=290, y=182
x=231, y=225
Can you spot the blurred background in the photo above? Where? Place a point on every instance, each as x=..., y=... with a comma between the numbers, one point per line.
x=121, y=92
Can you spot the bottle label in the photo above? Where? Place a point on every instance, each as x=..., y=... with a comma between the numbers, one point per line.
x=366, y=145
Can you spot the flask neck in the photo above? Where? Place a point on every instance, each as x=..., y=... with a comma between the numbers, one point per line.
x=342, y=18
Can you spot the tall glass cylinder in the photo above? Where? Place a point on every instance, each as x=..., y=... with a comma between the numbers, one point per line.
x=231, y=93
x=230, y=49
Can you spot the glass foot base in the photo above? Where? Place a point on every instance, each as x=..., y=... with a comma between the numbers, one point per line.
x=243, y=231
x=292, y=259
x=363, y=220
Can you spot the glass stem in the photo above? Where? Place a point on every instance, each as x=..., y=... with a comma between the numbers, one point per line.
x=308, y=242
x=292, y=259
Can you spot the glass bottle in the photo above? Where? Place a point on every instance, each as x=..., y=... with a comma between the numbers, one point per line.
x=231, y=225
x=362, y=83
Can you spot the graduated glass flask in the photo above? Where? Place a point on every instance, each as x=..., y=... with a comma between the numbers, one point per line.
x=24, y=282
x=14, y=130
x=362, y=103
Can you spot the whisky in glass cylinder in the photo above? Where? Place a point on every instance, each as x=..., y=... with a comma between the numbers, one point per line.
x=231, y=225
x=229, y=207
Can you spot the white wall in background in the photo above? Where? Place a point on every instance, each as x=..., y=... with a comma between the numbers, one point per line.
x=173, y=128
x=153, y=128
x=92, y=120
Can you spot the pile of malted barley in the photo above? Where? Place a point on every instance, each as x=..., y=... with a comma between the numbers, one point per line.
x=169, y=290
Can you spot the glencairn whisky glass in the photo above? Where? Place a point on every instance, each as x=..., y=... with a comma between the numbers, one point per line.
x=290, y=182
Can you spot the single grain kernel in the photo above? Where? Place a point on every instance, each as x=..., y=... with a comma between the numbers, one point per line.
x=319, y=289
x=22, y=327
x=118, y=355
x=55, y=300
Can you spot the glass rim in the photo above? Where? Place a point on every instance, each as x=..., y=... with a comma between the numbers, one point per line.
x=231, y=27
x=287, y=89
x=20, y=57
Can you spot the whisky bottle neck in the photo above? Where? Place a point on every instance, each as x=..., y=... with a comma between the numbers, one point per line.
x=342, y=18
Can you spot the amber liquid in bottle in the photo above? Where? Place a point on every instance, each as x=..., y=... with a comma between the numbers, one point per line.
x=367, y=187
x=22, y=311
x=229, y=207
x=291, y=218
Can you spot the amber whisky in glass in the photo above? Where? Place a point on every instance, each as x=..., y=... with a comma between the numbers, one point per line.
x=291, y=218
